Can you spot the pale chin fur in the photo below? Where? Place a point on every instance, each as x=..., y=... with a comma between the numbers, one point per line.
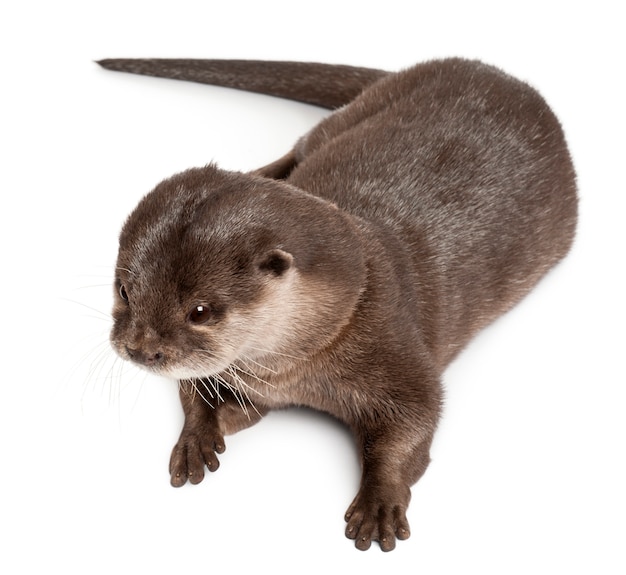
x=183, y=373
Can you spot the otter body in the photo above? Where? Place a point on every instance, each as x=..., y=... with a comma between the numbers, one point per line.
x=346, y=275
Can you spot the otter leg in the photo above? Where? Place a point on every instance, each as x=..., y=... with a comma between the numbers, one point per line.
x=391, y=464
x=202, y=436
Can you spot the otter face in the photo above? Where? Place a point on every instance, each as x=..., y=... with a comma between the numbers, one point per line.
x=184, y=325
x=196, y=278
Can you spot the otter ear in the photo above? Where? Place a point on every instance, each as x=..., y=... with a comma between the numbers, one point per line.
x=276, y=262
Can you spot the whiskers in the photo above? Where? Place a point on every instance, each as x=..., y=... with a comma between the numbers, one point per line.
x=240, y=379
x=210, y=388
x=95, y=374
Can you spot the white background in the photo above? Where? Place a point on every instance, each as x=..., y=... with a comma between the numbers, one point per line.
x=528, y=472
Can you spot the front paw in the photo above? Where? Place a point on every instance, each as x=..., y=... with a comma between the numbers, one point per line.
x=190, y=455
x=379, y=518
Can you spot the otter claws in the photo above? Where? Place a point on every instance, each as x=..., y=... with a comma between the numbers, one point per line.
x=376, y=521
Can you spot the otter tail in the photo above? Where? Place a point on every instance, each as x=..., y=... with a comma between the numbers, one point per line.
x=326, y=85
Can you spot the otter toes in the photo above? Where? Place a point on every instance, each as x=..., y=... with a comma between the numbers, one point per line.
x=190, y=455
x=376, y=522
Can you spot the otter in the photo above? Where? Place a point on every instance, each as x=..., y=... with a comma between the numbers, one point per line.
x=346, y=275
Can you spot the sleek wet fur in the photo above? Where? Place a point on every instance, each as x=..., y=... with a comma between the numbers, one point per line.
x=346, y=275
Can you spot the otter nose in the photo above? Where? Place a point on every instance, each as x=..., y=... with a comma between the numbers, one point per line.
x=147, y=358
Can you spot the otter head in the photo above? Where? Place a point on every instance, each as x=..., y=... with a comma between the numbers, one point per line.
x=216, y=267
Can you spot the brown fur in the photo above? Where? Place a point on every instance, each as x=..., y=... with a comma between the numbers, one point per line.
x=346, y=275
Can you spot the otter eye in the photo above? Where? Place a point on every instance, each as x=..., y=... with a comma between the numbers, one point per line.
x=123, y=293
x=200, y=314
